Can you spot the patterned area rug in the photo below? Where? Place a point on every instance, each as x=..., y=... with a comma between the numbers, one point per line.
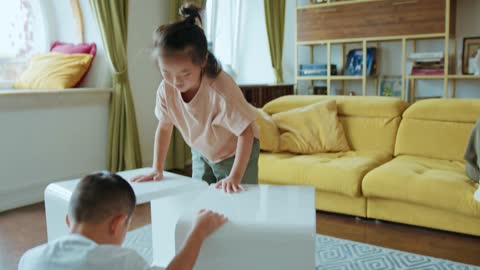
x=333, y=253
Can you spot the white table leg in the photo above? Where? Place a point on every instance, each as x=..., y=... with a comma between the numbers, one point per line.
x=56, y=209
x=165, y=215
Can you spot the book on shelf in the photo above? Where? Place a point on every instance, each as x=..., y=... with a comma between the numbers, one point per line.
x=354, y=64
x=420, y=56
x=427, y=63
x=427, y=72
x=316, y=70
x=428, y=60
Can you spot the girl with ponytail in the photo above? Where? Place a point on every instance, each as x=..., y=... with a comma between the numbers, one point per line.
x=205, y=105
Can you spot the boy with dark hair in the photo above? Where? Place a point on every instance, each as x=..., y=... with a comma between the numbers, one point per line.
x=99, y=215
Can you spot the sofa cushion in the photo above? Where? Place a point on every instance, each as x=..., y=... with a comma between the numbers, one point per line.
x=347, y=105
x=311, y=129
x=371, y=133
x=440, y=184
x=437, y=128
x=369, y=123
x=451, y=110
x=340, y=173
x=269, y=134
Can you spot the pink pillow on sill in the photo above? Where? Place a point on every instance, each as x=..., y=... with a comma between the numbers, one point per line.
x=70, y=48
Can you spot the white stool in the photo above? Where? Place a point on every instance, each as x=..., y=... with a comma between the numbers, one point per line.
x=57, y=195
x=270, y=227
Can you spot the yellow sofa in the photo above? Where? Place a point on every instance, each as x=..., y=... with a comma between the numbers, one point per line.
x=425, y=184
x=406, y=163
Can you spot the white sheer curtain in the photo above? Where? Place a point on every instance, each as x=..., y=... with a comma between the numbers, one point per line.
x=224, y=29
x=238, y=36
x=23, y=34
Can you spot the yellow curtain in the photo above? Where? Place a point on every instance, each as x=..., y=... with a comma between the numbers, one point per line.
x=123, y=144
x=275, y=22
x=179, y=153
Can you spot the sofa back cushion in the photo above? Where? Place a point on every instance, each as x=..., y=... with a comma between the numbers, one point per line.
x=370, y=123
x=268, y=131
x=312, y=129
x=437, y=128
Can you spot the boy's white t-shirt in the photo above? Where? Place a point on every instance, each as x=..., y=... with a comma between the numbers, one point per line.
x=76, y=252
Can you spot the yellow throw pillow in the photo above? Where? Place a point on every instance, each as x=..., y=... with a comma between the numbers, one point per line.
x=54, y=71
x=269, y=134
x=311, y=129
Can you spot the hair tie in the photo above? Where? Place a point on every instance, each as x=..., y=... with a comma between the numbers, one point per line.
x=198, y=22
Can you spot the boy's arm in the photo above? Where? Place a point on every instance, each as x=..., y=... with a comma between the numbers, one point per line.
x=186, y=258
x=205, y=224
x=160, y=150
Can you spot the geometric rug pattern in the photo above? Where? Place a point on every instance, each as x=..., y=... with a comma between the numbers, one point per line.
x=333, y=254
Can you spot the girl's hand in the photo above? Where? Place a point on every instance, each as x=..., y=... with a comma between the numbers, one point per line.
x=230, y=185
x=153, y=176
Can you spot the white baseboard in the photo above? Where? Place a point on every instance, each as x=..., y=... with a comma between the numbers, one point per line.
x=22, y=197
x=26, y=195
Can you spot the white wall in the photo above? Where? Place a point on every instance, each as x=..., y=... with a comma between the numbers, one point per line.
x=467, y=25
x=49, y=137
x=145, y=17
x=52, y=137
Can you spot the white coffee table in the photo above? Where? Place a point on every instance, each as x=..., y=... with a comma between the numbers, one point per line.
x=270, y=227
x=57, y=195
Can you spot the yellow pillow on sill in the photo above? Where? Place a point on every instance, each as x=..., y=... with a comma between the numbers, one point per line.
x=311, y=129
x=54, y=71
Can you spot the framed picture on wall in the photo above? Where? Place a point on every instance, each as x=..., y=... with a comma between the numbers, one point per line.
x=390, y=86
x=354, y=62
x=471, y=46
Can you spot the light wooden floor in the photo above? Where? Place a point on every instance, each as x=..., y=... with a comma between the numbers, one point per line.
x=24, y=228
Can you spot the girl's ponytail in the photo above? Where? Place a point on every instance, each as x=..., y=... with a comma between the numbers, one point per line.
x=187, y=36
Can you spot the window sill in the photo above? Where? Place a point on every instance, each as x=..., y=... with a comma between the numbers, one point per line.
x=22, y=92
x=6, y=84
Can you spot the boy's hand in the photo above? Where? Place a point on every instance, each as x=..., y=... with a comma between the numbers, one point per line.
x=207, y=222
x=153, y=176
x=229, y=185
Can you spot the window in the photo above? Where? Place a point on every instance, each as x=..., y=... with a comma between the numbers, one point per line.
x=237, y=34
x=222, y=31
x=22, y=34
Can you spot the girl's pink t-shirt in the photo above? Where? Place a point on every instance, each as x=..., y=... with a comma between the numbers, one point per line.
x=212, y=121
